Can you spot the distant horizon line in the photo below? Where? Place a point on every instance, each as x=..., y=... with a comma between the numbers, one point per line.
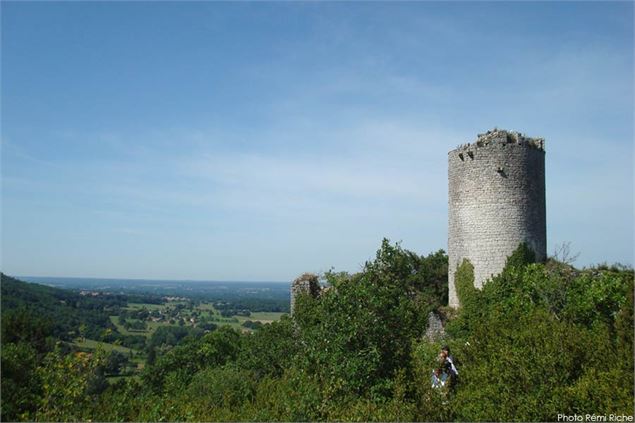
x=144, y=279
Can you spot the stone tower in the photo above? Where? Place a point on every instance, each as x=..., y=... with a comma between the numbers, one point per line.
x=307, y=283
x=496, y=201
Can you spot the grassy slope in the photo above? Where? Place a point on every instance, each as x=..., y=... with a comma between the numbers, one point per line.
x=90, y=344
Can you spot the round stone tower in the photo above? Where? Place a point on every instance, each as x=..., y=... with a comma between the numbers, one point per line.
x=496, y=201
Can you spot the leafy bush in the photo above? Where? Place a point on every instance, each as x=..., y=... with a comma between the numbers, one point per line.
x=178, y=365
x=70, y=385
x=222, y=386
x=269, y=350
x=535, y=346
x=21, y=385
x=358, y=335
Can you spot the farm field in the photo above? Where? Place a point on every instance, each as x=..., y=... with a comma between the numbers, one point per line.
x=149, y=306
x=178, y=310
x=262, y=316
x=148, y=317
x=151, y=327
x=91, y=344
x=136, y=363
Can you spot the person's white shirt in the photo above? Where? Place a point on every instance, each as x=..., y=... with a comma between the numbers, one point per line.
x=452, y=366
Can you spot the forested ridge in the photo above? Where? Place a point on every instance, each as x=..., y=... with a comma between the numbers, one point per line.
x=64, y=310
x=537, y=341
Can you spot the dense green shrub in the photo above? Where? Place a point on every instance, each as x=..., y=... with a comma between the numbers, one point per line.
x=219, y=387
x=21, y=385
x=178, y=365
x=358, y=335
x=534, y=344
x=71, y=384
x=522, y=256
x=269, y=350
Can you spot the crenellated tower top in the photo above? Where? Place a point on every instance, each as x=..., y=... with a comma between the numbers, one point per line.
x=502, y=136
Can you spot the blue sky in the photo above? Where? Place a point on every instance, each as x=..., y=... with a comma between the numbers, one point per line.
x=256, y=141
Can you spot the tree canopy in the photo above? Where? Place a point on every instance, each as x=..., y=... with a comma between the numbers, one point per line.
x=538, y=340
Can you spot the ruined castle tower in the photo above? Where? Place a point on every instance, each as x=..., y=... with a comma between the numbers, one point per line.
x=496, y=201
x=307, y=283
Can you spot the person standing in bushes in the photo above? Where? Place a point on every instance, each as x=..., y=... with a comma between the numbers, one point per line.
x=448, y=366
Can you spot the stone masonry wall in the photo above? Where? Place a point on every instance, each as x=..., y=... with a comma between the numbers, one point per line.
x=496, y=201
x=435, y=330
